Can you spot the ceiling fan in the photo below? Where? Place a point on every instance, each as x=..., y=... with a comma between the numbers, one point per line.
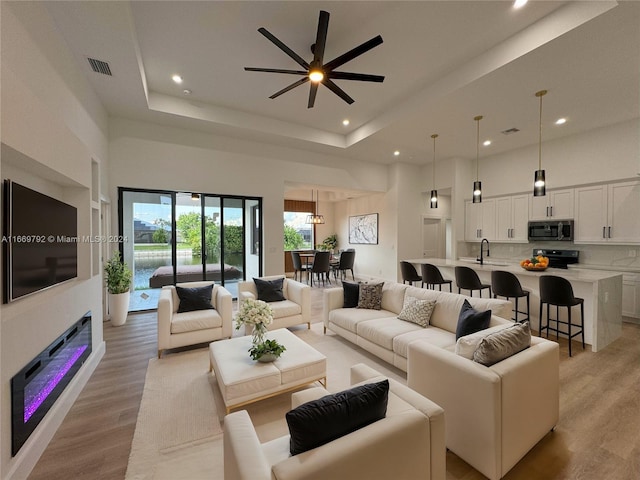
x=318, y=72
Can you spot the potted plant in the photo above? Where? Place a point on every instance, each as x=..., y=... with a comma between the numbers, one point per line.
x=118, y=277
x=331, y=242
x=267, y=351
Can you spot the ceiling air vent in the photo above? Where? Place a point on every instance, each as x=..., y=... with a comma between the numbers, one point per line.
x=99, y=66
x=510, y=131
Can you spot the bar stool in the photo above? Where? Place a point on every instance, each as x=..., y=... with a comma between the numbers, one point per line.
x=559, y=292
x=409, y=273
x=431, y=276
x=506, y=284
x=467, y=279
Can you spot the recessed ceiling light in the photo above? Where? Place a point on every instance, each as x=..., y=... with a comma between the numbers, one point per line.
x=519, y=3
x=186, y=91
x=396, y=153
x=345, y=122
x=486, y=143
x=561, y=121
x=177, y=79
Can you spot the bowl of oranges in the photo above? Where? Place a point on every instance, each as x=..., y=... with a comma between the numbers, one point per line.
x=535, y=264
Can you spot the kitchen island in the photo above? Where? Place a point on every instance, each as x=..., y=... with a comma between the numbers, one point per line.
x=601, y=290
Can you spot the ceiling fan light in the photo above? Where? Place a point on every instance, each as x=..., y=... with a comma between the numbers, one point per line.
x=316, y=75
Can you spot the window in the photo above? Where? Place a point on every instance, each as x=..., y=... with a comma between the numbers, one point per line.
x=298, y=235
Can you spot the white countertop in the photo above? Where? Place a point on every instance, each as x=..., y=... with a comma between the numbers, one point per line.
x=574, y=274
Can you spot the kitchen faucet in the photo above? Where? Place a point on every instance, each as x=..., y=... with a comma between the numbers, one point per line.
x=481, y=259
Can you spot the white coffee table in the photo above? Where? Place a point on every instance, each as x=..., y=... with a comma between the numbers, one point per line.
x=243, y=380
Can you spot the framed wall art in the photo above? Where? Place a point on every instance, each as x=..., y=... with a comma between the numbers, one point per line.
x=363, y=229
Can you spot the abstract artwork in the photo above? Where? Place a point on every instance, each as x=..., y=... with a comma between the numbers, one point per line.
x=363, y=229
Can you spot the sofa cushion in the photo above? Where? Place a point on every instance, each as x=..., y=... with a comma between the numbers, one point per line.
x=348, y=318
x=321, y=421
x=270, y=290
x=351, y=293
x=195, y=320
x=465, y=346
x=417, y=311
x=499, y=345
x=393, y=296
x=285, y=308
x=382, y=331
x=432, y=335
x=195, y=298
x=370, y=296
x=470, y=320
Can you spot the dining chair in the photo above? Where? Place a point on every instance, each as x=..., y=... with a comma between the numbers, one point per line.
x=321, y=266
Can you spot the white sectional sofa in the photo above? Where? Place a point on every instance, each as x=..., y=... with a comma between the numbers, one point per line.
x=381, y=333
x=494, y=414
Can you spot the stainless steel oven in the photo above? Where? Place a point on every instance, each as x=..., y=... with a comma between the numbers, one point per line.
x=551, y=230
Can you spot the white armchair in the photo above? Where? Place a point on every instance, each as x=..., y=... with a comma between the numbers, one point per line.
x=294, y=310
x=407, y=444
x=190, y=328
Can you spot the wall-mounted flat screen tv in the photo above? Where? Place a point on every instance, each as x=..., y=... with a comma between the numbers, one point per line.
x=39, y=241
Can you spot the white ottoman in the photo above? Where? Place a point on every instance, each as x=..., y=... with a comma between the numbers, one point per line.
x=243, y=380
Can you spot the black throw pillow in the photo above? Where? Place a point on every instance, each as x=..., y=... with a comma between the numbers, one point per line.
x=321, y=421
x=196, y=298
x=270, y=290
x=351, y=294
x=471, y=321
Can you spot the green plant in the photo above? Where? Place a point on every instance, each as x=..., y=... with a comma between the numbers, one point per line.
x=293, y=240
x=331, y=242
x=117, y=275
x=266, y=347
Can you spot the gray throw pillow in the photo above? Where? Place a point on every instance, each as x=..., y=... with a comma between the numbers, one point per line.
x=502, y=344
x=417, y=311
x=370, y=296
x=270, y=290
x=194, y=298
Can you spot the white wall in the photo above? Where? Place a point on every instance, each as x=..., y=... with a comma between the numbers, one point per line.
x=144, y=155
x=52, y=126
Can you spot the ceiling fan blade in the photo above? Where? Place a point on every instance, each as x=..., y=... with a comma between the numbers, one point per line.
x=276, y=70
x=353, y=53
x=363, y=77
x=312, y=94
x=337, y=90
x=290, y=87
x=299, y=60
x=321, y=37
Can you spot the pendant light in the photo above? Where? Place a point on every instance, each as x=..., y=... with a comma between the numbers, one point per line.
x=315, y=219
x=539, y=183
x=477, y=185
x=434, y=192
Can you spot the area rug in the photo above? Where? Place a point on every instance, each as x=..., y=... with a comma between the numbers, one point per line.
x=177, y=421
x=179, y=428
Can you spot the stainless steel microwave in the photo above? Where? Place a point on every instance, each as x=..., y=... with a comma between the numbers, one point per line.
x=551, y=230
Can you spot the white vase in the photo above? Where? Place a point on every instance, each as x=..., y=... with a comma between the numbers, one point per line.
x=118, y=308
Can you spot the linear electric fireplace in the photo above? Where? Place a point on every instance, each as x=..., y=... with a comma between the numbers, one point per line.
x=36, y=387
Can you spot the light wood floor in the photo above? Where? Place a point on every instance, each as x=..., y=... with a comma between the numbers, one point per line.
x=597, y=437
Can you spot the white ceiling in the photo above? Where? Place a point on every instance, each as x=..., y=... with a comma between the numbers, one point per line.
x=444, y=62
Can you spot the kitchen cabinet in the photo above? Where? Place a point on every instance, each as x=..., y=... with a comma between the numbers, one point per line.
x=608, y=213
x=555, y=204
x=631, y=295
x=512, y=215
x=480, y=220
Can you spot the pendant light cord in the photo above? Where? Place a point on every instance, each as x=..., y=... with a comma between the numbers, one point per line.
x=477, y=119
x=540, y=94
x=434, y=136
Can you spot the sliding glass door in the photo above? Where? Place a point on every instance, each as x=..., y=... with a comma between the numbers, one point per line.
x=177, y=237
